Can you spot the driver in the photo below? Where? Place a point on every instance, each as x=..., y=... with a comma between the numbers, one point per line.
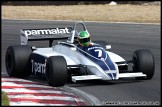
x=84, y=39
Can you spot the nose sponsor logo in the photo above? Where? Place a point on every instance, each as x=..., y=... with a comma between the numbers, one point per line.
x=38, y=67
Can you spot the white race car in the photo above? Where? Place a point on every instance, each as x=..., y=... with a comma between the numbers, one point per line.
x=67, y=61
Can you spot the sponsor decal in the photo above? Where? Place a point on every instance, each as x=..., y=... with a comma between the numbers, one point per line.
x=92, y=48
x=38, y=67
x=47, y=31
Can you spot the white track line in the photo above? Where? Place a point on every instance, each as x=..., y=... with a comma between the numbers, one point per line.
x=25, y=85
x=15, y=79
x=16, y=90
x=30, y=96
x=26, y=103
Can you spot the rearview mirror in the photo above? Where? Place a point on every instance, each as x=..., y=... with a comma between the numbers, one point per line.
x=108, y=47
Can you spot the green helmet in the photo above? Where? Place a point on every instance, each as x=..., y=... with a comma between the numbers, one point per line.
x=84, y=38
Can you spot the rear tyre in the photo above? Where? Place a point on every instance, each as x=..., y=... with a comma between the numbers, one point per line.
x=17, y=60
x=56, y=71
x=143, y=61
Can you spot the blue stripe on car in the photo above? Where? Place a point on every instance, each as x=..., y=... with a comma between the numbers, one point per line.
x=114, y=75
x=110, y=75
x=90, y=53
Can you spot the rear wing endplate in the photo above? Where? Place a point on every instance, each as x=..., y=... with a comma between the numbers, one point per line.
x=44, y=34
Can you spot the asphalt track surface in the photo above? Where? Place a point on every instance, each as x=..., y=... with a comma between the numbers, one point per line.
x=124, y=38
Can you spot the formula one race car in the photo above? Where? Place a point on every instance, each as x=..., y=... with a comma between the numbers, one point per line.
x=67, y=61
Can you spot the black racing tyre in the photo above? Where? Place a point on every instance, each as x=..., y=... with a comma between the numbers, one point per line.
x=143, y=61
x=56, y=71
x=17, y=60
x=101, y=43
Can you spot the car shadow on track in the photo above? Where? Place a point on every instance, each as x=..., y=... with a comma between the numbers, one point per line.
x=101, y=82
x=85, y=82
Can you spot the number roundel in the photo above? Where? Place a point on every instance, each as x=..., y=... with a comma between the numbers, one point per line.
x=98, y=53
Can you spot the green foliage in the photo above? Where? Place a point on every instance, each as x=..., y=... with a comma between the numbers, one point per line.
x=4, y=99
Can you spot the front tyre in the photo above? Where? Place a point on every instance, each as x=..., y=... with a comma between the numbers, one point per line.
x=143, y=61
x=17, y=60
x=56, y=71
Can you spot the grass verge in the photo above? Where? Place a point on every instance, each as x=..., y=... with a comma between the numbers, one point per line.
x=4, y=99
x=108, y=13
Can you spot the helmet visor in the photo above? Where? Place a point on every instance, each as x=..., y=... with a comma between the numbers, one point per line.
x=84, y=40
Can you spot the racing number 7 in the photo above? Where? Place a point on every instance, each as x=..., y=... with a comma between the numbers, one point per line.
x=99, y=52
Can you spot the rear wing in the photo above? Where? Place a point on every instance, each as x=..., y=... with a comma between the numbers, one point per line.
x=44, y=34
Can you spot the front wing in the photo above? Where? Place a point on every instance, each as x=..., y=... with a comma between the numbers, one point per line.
x=94, y=77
